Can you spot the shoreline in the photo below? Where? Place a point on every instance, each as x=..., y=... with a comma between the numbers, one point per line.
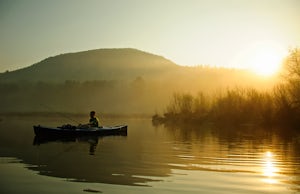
x=52, y=114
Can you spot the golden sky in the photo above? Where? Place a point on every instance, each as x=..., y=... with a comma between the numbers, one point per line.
x=188, y=32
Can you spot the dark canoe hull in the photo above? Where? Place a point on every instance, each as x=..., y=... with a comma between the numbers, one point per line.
x=74, y=132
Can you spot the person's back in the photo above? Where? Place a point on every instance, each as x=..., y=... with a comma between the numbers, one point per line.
x=94, y=121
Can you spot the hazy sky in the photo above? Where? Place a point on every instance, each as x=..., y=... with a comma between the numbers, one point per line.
x=187, y=32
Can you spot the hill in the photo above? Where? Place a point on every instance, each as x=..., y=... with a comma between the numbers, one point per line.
x=100, y=64
x=118, y=81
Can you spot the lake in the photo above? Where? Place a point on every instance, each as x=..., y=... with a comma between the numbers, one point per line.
x=150, y=159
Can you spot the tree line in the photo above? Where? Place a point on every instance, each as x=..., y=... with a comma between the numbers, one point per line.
x=70, y=96
x=279, y=106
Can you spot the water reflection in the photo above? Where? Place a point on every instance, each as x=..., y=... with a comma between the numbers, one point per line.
x=201, y=156
x=271, y=155
x=269, y=168
x=91, y=140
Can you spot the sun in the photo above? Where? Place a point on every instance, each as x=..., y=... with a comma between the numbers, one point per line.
x=263, y=59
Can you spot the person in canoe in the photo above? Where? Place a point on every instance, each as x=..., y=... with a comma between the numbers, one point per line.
x=93, y=122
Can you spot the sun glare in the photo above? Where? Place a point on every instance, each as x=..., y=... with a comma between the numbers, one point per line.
x=263, y=59
x=269, y=169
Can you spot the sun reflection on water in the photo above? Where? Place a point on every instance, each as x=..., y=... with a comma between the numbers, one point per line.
x=269, y=168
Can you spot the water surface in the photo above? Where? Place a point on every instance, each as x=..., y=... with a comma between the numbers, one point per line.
x=198, y=159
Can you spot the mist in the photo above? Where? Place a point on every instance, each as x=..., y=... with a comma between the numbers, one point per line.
x=140, y=95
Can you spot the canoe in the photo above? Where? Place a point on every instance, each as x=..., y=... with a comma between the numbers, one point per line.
x=68, y=130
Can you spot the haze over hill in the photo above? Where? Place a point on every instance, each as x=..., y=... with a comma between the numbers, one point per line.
x=100, y=64
x=111, y=81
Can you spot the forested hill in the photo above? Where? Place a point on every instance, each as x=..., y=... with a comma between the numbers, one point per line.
x=100, y=64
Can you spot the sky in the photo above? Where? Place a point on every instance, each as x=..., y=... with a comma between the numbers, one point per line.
x=188, y=32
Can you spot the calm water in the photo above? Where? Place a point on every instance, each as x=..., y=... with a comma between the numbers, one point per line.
x=148, y=160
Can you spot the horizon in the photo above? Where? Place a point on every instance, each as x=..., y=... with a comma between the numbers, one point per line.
x=250, y=70
x=230, y=34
